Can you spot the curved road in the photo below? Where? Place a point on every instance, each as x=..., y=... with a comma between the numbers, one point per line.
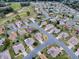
x=51, y=40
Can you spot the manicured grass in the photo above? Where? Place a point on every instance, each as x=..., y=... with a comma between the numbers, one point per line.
x=1, y=48
x=75, y=48
x=12, y=53
x=4, y=20
x=15, y=6
x=62, y=55
x=19, y=57
x=26, y=48
x=14, y=56
x=21, y=14
x=32, y=13
x=36, y=57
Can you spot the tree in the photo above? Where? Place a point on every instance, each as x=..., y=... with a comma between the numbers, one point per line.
x=6, y=43
x=34, y=31
x=5, y=46
x=8, y=10
x=28, y=13
x=18, y=17
x=25, y=4
x=33, y=58
x=35, y=43
x=2, y=15
x=2, y=48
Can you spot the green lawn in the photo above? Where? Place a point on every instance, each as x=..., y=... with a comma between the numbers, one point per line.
x=62, y=55
x=21, y=14
x=19, y=57
x=15, y=6
x=12, y=53
x=75, y=48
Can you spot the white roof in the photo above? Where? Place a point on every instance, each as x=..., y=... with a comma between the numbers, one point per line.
x=5, y=55
x=63, y=34
x=21, y=31
x=18, y=23
x=38, y=36
x=56, y=30
x=49, y=26
x=12, y=26
x=76, y=27
x=53, y=20
x=77, y=52
x=54, y=51
x=73, y=41
x=62, y=22
x=29, y=41
x=1, y=42
x=32, y=19
x=43, y=23
x=18, y=48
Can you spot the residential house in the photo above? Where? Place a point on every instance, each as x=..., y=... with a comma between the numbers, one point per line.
x=49, y=26
x=2, y=41
x=38, y=36
x=2, y=29
x=77, y=52
x=29, y=29
x=5, y=55
x=53, y=19
x=73, y=41
x=63, y=35
x=54, y=51
x=29, y=41
x=13, y=36
x=32, y=19
x=19, y=48
x=21, y=31
x=37, y=10
x=42, y=56
x=25, y=22
x=43, y=23
x=12, y=26
x=54, y=30
x=19, y=24
x=62, y=22
x=76, y=28
x=69, y=24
